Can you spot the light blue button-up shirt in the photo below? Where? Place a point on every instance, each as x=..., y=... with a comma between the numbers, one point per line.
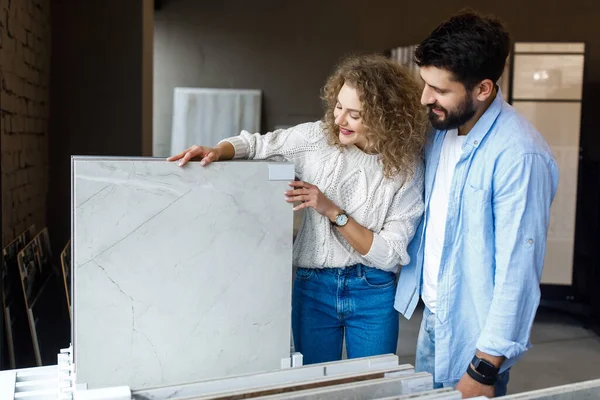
x=494, y=245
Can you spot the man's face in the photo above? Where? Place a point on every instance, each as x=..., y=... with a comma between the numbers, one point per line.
x=450, y=105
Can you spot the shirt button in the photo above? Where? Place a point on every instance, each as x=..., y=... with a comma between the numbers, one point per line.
x=530, y=241
x=476, y=142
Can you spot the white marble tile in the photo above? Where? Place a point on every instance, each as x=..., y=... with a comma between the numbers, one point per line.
x=389, y=385
x=587, y=390
x=549, y=47
x=297, y=375
x=434, y=394
x=326, y=381
x=180, y=274
x=548, y=77
x=559, y=123
x=206, y=116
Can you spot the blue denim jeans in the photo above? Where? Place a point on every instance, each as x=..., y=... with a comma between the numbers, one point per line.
x=425, y=359
x=355, y=303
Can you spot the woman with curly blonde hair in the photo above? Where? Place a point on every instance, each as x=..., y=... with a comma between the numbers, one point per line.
x=361, y=183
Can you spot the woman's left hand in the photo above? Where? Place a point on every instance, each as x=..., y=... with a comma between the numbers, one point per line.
x=311, y=196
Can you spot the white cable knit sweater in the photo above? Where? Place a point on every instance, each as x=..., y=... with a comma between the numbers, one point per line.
x=354, y=181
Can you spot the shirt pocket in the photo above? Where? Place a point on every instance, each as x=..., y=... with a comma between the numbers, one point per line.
x=477, y=219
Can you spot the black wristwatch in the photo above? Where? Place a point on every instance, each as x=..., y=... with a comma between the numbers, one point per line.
x=483, y=371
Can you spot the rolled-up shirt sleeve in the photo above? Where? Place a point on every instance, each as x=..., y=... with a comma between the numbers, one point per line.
x=523, y=193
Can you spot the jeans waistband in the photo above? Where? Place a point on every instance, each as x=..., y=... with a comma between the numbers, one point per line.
x=357, y=270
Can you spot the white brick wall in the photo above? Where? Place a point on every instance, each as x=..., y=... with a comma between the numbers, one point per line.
x=24, y=97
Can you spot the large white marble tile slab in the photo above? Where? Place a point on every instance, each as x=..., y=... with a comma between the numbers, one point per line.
x=180, y=274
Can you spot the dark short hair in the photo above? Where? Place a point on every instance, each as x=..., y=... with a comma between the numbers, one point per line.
x=470, y=46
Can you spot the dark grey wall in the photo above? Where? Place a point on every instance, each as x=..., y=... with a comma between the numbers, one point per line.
x=288, y=48
x=99, y=65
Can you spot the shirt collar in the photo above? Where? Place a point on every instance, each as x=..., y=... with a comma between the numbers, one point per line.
x=485, y=122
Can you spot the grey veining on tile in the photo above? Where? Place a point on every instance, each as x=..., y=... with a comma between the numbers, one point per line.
x=180, y=274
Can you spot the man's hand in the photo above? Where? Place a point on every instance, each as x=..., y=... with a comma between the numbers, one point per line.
x=469, y=387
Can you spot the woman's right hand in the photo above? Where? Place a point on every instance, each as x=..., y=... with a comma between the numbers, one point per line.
x=206, y=155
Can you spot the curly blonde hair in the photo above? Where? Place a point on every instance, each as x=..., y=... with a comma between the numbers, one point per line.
x=392, y=114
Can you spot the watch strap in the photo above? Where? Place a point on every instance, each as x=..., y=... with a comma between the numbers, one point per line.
x=483, y=371
x=484, y=380
x=484, y=367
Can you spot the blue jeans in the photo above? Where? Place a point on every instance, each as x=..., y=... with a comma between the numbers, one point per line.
x=425, y=359
x=356, y=302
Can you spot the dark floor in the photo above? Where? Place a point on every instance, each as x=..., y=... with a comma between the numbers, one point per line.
x=563, y=351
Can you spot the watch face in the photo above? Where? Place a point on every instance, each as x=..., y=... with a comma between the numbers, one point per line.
x=484, y=367
x=341, y=220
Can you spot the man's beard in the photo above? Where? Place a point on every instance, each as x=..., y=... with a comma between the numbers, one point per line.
x=452, y=120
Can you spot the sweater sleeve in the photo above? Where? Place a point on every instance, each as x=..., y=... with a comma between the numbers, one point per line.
x=390, y=244
x=287, y=144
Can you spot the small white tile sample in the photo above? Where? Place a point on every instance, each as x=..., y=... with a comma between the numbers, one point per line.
x=180, y=274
